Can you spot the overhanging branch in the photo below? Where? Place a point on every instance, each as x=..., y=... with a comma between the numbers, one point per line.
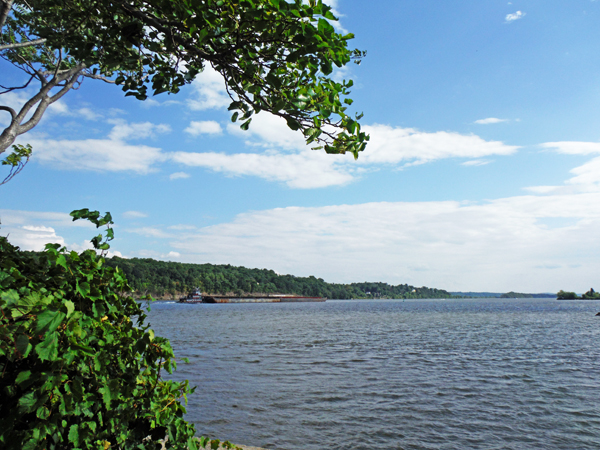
x=12, y=112
x=22, y=44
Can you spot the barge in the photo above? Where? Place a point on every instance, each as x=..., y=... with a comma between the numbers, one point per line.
x=197, y=297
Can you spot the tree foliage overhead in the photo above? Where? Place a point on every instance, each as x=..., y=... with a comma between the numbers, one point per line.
x=159, y=278
x=274, y=55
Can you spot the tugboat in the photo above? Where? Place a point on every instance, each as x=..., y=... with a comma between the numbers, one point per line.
x=193, y=297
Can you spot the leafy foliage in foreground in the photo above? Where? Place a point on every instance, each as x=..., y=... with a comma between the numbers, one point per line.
x=158, y=278
x=78, y=367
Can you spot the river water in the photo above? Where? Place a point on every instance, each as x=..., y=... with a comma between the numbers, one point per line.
x=391, y=374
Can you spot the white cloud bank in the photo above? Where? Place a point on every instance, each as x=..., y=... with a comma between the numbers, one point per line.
x=304, y=171
x=393, y=145
x=528, y=243
x=586, y=177
x=284, y=156
x=112, y=154
x=497, y=245
x=32, y=230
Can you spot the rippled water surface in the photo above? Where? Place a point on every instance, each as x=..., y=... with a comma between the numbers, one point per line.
x=439, y=374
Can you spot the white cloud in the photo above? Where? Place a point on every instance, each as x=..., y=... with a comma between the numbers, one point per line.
x=151, y=232
x=179, y=176
x=11, y=217
x=573, y=147
x=203, y=127
x=269, y=131
x=586, y=177
x=151, y=102
x=492, y=245
x=88, y=114
x=134, y=215
x=509, y=243
x=58, y=107
x=182, y=227
x=96, y=155
x=34, y=238
x=286, y=158
x=304, y=170
x=393, y=145
x=514, y=16
x=209, y=91
x=112, y=154
x=490, y=120
x=32, y=230
x=476, y=162
x=542, y=189
x=125, y=131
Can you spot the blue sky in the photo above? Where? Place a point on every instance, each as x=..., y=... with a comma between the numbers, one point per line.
x=483, y=171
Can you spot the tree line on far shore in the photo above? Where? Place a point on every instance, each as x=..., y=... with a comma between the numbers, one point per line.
x=589, y=295
x=162, y=279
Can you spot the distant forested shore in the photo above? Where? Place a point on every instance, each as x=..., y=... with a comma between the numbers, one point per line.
x=162, y=279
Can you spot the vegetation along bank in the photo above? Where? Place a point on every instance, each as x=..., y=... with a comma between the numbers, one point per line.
x=168, y=280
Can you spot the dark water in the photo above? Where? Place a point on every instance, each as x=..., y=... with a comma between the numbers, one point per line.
x=439, y=374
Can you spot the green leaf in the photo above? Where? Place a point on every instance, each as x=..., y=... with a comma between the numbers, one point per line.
x=49, y=321
x=43, y=412
x=74, y=435
x=23, y=376
x=22, y=344
x=31, y=444
x=83, y=288
x=48, y=348
x=245, y=125
x=292, y=123
x=27, y=402
x=10, y=297
x=70, y=307
x=62, y=261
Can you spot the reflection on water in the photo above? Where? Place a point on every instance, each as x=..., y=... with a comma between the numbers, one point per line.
x=439, y=374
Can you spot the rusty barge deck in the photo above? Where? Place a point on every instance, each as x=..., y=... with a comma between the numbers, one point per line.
x=267, y=299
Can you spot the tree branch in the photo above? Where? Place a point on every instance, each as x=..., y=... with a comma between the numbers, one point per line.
x=64, y=80
x=12, y=112
x=46, y=100
x=9, y=89
x=22, y=44
x=98, y=77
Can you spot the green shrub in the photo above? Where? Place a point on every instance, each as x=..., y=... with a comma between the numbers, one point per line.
x=563, y=295
x=78, y=366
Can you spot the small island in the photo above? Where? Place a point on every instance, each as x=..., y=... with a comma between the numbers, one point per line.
x=589, y=295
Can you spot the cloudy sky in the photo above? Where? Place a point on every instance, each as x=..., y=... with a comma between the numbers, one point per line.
x=483, y=170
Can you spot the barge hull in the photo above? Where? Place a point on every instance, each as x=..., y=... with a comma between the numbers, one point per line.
x=213, y=299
